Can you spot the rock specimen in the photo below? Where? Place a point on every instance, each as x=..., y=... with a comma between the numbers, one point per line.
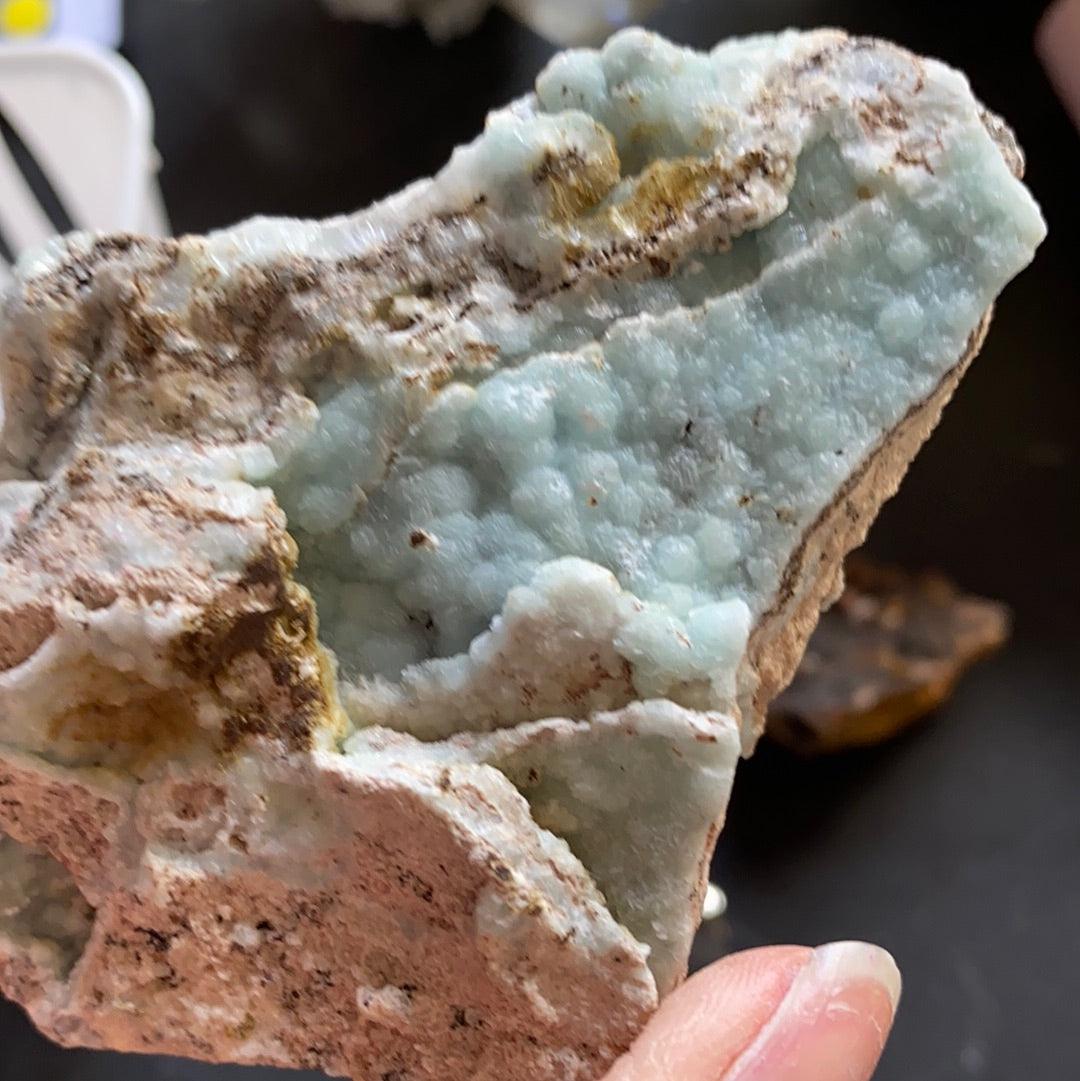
x=383, y=601
x=887, y=653
x=568, y=22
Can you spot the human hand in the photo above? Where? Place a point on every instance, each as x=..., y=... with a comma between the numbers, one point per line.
x=1058, y=44
x=783, y=1013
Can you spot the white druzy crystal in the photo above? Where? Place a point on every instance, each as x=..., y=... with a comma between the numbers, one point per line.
x=385, y=601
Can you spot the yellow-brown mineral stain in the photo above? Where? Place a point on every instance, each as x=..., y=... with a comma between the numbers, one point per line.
x=576, y=183
x=243, y=1030
x=130, y=728
x=668, y=187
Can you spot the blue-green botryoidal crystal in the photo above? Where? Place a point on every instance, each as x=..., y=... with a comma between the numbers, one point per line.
x=431, y=565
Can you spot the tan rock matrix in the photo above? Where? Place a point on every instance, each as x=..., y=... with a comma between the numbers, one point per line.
x=385, y=601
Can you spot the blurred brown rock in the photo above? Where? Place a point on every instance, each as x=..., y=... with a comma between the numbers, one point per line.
x=888, y=652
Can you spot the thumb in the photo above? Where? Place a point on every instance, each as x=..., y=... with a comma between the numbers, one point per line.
x=785, y=1013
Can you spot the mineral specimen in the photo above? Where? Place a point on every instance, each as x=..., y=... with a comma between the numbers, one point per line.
x=887, y=653
x=568, y=22
x=565, y=448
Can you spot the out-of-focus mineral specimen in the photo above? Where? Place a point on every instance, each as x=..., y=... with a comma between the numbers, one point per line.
x=567, y=22
x=887, y=653
x=382, y=600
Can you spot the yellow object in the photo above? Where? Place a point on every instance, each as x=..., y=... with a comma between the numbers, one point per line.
x=25, y=18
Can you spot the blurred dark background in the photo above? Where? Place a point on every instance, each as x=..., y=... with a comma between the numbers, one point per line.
x=958, y=846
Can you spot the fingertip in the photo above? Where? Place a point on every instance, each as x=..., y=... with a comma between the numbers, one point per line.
x=703, y=1026
x=782, y=1013
x=833, y=1022
x=1057, y=41
x=855, y=962
x=763, y=970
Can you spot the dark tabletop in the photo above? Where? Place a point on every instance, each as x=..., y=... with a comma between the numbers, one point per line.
x=957, y=847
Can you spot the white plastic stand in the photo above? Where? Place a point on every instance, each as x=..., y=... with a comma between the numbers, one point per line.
x=85, y=116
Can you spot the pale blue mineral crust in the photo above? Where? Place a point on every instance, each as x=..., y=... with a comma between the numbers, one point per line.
x=566, y=445
x=682, y=425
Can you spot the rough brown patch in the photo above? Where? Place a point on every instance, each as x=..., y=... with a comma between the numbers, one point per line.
x=23, y=630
